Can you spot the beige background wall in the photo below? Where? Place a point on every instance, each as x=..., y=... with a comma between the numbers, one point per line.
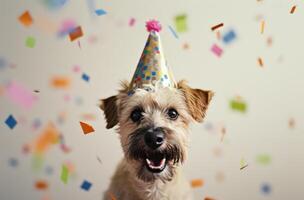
x=274, y=93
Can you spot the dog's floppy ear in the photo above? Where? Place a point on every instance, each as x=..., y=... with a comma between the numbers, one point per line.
x=109, y=107
x=197, y=100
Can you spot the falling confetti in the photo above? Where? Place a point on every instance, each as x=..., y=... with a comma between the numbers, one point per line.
x=237, y=104
x=100, y=12
x=217, y=50
x=209, y=198
x=293, y=9
x=26, y=19
x=263, y=159
x=243, y=164
x=86, y=185
x=76, y=33
x=11, y=122
x=60, y=82
x=41, y=185
x=86, y=128
x=229, y=37
x=265, y=189
x=291, y=123
x=64, y=174
x=85, y=77
x=213, y=28
x=260, y=62
x=181, y=23
x=132, y=21
x=30, y=42
x=173, y=32
x=262, y=26
x=195, y=183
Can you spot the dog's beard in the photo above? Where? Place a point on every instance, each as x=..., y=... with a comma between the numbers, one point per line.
x=153, y=164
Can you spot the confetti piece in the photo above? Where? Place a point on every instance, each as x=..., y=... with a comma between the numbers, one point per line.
x=26, y=19
x=60, y=82
x=88, y=116
x=13, y=162
x=173, y=32
x=11, y=121
x=49, y=170
x=30, y=42
x=64, y=174
x=218, y=35
x=265, y=188
x=291, y=123
x=20, y=95
x=66, y=27
x=217, y=50
x=85, y=77
x=213, y=28
x=41, y=185
x=76, y=33
x=260, y=62
x=99, y=160
x=3, y=63
x=181, y=23
x=86, y=185
x=229, y=37
x=262, y=26
x=238, y=105
x=197, y=183
x=263, y=159
x=132, y=21
x=54, y=4
x=100, y=12
x=86, y=128
x=293, y=9
x=269, y=41
x=243, y=164
x=49, y=136
x=223, y=133
x=186, y=46
x=209, y=198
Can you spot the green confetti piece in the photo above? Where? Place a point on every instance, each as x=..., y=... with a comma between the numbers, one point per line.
x=181, y=23
x=238, y=106
x=30, y=42
x=64, y=174
x=37, y=162
x=263, y=159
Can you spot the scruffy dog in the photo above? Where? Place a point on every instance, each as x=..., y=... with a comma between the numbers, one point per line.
x=153, y=114
x=153, y=130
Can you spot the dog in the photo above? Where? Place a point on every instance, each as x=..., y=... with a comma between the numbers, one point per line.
x=154, y=132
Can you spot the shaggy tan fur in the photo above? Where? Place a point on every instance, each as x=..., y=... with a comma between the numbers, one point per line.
x=132, y=181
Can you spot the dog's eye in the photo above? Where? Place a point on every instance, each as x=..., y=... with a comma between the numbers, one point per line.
x=136, y=114
x=172, y=114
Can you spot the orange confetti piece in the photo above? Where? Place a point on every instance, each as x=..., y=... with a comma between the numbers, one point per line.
x=60, y=82
x=86, y=128
x=262, y=26
x=213, y=28
x=112, y=196
x=76, y=33
x=26, y=19
x=260, y=61
x=291, y=123
x=49, y=136
x=293, y=9
x=197, y=183
x=218, y=35
x=41, y=185
x=209, y=198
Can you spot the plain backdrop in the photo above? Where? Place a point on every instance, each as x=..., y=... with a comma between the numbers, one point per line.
x=109, y=51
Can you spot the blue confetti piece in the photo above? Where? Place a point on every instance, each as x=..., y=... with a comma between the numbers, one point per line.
x=173, y=32
x=229, y=37
x=13, y=162
x=265, y=188
x=85, y=77
x=100, y=12
x=86, y=185
x=11, y=122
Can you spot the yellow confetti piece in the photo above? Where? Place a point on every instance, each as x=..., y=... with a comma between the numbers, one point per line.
x=260, y=61
x=262, y=26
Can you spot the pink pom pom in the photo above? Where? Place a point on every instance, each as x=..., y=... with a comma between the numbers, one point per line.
x=153, y=25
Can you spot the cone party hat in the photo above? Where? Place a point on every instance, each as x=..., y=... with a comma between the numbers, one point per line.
x=152, y=70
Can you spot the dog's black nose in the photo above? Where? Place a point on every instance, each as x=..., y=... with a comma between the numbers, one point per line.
x=154, y=138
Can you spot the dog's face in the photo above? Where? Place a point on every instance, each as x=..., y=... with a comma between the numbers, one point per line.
x=153, y=126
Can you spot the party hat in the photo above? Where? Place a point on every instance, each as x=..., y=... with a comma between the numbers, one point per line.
x=152, y=70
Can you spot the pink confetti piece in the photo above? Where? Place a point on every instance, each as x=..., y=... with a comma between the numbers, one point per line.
x=18, y=94
x=132, y=21
x=217, y=50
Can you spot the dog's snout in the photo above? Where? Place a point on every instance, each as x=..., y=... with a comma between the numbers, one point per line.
x=154, y=138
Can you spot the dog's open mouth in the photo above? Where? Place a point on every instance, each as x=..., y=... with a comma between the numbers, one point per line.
x=156, y=163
